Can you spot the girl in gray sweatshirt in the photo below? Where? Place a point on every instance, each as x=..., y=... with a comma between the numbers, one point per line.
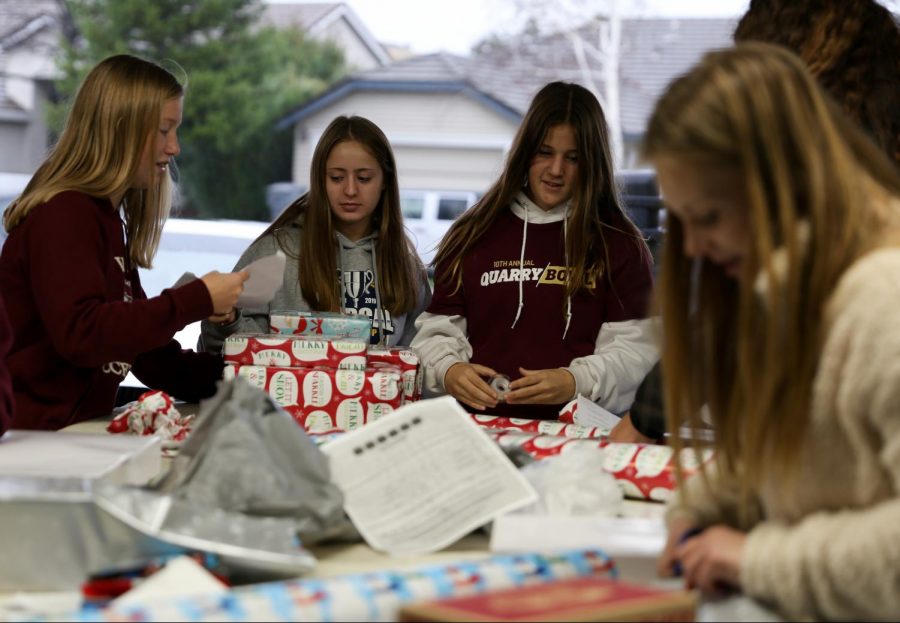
x=345, y=243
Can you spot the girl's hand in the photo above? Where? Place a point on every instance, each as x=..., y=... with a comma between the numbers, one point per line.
x=666, y=563
x=225, y=289
x=464, y=382
x=549, y=387
x=711, y=561
x=625, y=432
x=223, y=319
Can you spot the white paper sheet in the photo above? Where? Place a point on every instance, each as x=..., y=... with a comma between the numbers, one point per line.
x=423, y=477
x=266, y=278
x=589, y=413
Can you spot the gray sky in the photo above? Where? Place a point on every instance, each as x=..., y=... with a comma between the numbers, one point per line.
x=455, y=25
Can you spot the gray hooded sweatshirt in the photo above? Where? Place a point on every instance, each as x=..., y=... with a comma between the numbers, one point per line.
x=359, y=287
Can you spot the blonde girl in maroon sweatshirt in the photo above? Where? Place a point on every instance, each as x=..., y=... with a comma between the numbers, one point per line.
x=90, y=216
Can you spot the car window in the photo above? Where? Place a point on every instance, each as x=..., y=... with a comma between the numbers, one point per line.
x=412, y=207
x=449, y=209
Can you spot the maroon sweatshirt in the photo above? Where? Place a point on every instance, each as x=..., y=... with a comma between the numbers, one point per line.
x=490, y=295
x=6, y=395
x=81, y=321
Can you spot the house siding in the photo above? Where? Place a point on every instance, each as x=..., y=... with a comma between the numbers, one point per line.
x=441, y=141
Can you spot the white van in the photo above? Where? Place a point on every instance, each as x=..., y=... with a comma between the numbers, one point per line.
x=428, y=214
x=11, y=186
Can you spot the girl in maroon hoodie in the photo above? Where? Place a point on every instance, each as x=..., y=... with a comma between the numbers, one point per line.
x=90, y=216
x=526, y=278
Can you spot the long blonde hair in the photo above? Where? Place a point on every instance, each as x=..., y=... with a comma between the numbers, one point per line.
x=818, y=193
x=114, y=115
x=596, y=203
x=399, y=268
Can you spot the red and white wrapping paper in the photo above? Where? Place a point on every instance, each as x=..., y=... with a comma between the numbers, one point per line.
x=294, y=351
x=541, y=427
x=407, y=361
x=327, y=399
x=153, y=413
x=644, y=471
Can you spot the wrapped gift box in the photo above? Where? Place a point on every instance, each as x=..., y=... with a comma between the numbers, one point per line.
x=541, y=427
x=325, y=325
x=573, y=599
x=325, y=399
x=407, y=361
x=294, y=351
x=644, y=471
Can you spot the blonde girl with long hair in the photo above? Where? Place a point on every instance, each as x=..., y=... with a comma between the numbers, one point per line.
x=345, y=242
x=779, y=294
x=91, y=215
x=526, y=278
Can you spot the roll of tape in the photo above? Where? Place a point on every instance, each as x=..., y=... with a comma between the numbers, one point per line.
x=500, y=384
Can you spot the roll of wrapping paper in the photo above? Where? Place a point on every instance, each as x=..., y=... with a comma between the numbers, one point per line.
x=375, y=596
x=644, y=471
x=541, y=427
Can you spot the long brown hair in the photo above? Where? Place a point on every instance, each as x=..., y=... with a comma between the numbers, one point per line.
x=398, y=265
x=115, y=113
x=819, y=194
x=595, y=203
x=852, y=47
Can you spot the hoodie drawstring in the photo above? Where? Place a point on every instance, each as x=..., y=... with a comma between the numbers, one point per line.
x=521, y=269
x=566, y=256
x=379, y=310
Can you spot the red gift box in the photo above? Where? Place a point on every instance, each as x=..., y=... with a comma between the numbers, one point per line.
x=407, y=361
x=541, y=427
x=574, y=599
x=325, y=399
x=294, y=351
x=644, y=471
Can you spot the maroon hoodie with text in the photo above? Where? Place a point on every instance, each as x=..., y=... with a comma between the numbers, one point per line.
x=81, y=321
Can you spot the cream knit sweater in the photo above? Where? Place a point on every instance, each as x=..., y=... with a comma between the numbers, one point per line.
x=832, y=551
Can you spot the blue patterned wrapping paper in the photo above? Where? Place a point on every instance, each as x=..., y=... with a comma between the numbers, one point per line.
x=326, y=325
x=375, y=596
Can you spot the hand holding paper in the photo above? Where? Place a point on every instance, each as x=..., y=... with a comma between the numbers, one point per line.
x=266, y=278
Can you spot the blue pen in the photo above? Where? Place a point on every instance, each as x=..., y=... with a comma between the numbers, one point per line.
x=688, y=534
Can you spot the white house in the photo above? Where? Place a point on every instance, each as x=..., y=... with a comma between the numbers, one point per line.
x=330, y=21
x=29, y=39
x=451, y=119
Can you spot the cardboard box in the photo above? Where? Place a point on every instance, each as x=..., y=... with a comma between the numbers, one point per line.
x=119, y=459
x=577, y=599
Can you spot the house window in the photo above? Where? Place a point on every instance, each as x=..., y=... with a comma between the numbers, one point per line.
x=412, y=207
x=449, y=209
